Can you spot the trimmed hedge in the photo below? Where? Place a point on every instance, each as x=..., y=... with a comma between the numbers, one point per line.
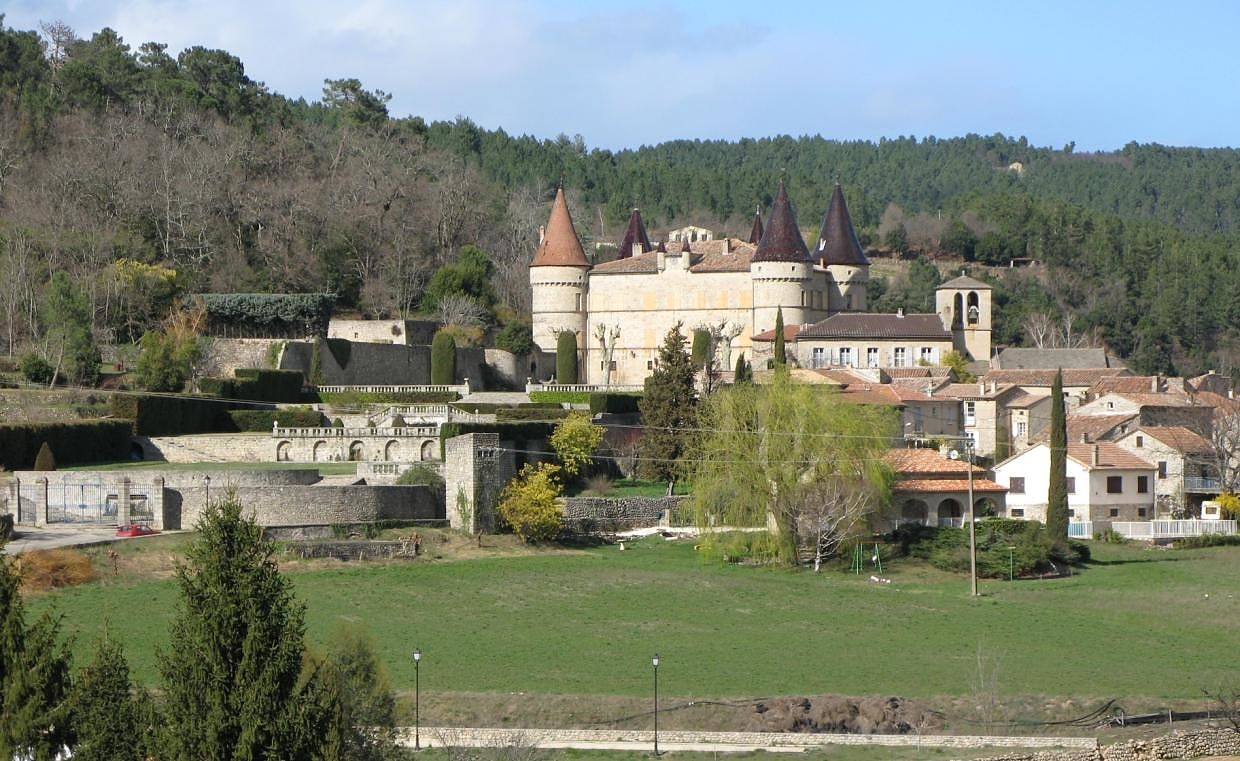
x=443, y=358
x=616, y=404
x=566, y=357
x=156, y=415
x=257, y=421
x=559, y=397
x=74, y=443
x=505, y=414
x=254, y=385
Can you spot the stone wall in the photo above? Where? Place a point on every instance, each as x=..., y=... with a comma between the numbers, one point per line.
x=1224, y=742
x=316, y=505
x=476, y=468
x=224, y=355
x=209, y=447
x=626, y=512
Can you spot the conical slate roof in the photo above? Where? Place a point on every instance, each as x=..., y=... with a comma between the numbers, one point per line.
x=560, y=245
x=684, y=246
x=837, y=241
x=755, y=233
x=782, y=241
x=635, y=233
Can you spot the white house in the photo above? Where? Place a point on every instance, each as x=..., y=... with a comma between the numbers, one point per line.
x=1105, y=483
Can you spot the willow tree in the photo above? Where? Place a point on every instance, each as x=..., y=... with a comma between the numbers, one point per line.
x=796, y=459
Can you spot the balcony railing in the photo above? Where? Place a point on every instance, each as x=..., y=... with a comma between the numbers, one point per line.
x=1201, y=484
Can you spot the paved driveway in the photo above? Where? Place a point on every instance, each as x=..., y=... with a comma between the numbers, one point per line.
x=47, y=538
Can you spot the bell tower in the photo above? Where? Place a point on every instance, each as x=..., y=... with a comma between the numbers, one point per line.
x=964, y=306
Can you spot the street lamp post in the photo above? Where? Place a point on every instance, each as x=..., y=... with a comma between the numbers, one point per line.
x=206, y=482
x=655, y=662
x=417, y=701
x=968, y=449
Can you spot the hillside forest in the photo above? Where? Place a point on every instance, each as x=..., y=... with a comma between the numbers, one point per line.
x=132, y=176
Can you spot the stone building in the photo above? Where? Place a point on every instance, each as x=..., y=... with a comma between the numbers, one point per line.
x=621, y=310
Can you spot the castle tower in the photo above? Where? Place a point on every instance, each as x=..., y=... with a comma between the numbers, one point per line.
x=634, y=237
x=780, y=269
x=839, y=251
x=755, y=232
x=559, y=278
x=964, y=304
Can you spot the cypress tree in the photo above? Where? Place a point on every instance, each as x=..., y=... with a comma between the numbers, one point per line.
x=781, y=354
x=1057, y=489
x=668, y=409
x=700, y=350
x=233, y=686
x=105, y=715
x=566, y=357
x=743, y=373
x=45, y=460
x=443, y=359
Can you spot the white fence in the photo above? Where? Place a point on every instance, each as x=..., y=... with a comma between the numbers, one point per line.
x=1081, y=530
x=619, y=388
x=462, y=389
x=1152, y=530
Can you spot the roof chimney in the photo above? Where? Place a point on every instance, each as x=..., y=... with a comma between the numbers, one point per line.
x=1084, y=438
x=542, y=234
x=899, y=311
x=1095, y=455
x=1154, y=384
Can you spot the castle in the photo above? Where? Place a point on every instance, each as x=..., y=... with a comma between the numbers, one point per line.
x=621, y=310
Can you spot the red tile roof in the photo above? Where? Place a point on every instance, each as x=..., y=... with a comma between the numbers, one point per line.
x=938, y=485
x=1177, y=437
x=560, y=245
x=790, y=334
x=922, y=462
x=1110, y=456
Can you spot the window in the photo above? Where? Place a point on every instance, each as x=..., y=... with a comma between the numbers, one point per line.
x=1140, y=512
x=927, y=355
x=1017, y=512
x=846, y=356
x=1071, y=513
x=1021, y=427
x=1115, y=484
x=1016, y=484
x=1070, y=483
x=898, y=357
x=818, y=357
x=650, y=364
x=1162, y=468
x=871, y=357
x=1143, y=484
x=1113, y=512
x=970, y=413
x=1140, y=441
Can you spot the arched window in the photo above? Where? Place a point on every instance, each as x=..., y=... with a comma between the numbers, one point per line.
x=428, y=450
x=974, y=311
x=958, y=311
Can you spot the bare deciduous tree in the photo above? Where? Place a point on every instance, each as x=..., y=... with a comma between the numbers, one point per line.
x=461, y=310
x=827, y=513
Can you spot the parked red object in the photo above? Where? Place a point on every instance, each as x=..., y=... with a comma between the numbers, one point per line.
x=135, y=529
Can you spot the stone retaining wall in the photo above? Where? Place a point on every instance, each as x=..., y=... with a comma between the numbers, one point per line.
x=317, y=505
x=627, y=512
x=1177, y=745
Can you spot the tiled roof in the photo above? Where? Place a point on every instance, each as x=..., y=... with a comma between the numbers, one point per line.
x=862, y=325
x=781, y=241
x=1017, y=358
x=645, y=263
x=964, y=281
x=919, y=371
x=560, y=245
x=1161, y=400
x=1110, y=456
x=922, y=462
x=837, y=241
x=790, y=334
x=1044, y=377
x=710, y=256
x=634, y=234
x=1024, y=401
x=975, y=390
x=755, y=232
x=940, y=485
x=1094, y=427
x=870, y=394
x=1128, y=384
x=840, y=375
x=1177, y=437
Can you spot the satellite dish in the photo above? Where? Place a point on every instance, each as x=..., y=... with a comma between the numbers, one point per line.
x=953, y=455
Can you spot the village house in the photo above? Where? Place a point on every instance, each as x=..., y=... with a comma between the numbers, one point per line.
x=933, y=490
x=984, y=415
x=1106, y=483
x=1184, y=474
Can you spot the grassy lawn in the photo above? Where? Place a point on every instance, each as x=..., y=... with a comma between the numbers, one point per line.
x=325, y=468
x=1138, y=622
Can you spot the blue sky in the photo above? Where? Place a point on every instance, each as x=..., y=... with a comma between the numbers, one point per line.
x=621, y=74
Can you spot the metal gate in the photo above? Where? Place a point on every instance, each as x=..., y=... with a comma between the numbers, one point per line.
x=85, y=501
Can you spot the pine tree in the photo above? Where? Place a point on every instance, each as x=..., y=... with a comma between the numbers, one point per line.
x=566, y=357
x=103, y=709
x=1057, y=490
x=668, y=410
x=45, y=460
x=233, y=686
x=781, y=353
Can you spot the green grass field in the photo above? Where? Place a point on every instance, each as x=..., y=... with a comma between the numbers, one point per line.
x=1138, y=622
